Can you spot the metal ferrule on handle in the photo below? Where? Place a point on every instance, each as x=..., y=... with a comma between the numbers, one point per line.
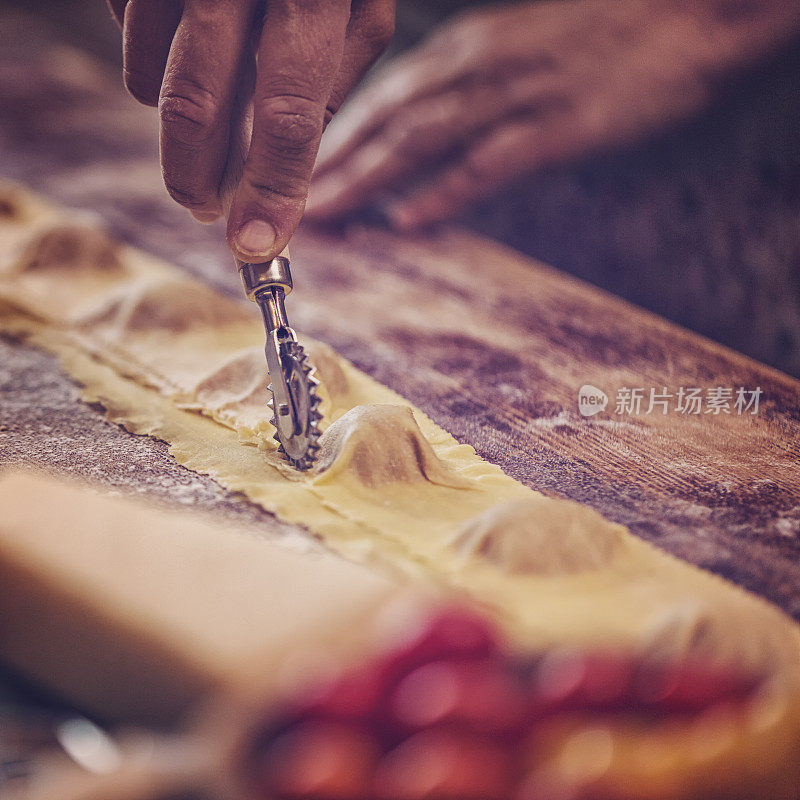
x=268, y=284
x=258, y=277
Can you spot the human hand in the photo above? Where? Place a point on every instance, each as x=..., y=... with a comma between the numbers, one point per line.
x=502, y=92
x=188, y=56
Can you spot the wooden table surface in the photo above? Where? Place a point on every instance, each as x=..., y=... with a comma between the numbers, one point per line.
x=493, y=346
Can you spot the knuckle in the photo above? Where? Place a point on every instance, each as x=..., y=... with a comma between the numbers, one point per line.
x=476, y=164
x=292, y=124
x=312, y=6
x=279, y=191
x=189, y=112
x=407, y=135
x=468, y=32
x=211, y=12
x=278, y=180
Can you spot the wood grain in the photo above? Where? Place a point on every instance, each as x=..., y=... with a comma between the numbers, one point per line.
x=493, y=346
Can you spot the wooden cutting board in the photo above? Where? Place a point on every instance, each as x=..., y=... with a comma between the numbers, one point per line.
x=493, y=346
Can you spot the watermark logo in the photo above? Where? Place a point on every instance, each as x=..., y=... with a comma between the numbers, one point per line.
x=686, y=400
x=591, y=400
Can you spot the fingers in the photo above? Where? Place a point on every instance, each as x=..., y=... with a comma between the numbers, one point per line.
x=298, y=58
x=424, y=72
x=459, y=53
x=196, y=100
x=147, y=32
x=425, y=130
x=510, y=152
x=424, y=133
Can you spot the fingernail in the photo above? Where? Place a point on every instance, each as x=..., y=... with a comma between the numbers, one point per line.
x=205, y=217
x=256, y=238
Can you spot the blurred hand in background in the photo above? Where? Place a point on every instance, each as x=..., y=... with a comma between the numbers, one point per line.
x=500, y=92
x=188, y=56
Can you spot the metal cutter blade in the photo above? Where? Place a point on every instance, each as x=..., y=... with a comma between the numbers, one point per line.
x=295, y=402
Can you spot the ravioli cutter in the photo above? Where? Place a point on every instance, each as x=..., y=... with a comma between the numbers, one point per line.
x=295, y=402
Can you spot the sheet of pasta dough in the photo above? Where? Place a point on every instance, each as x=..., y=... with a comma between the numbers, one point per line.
x=171, y=358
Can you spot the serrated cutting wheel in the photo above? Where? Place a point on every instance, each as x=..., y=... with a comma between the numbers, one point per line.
x=294, y=403
x=296, y=421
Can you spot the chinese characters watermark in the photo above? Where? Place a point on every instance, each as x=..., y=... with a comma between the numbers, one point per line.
x=687, y=400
